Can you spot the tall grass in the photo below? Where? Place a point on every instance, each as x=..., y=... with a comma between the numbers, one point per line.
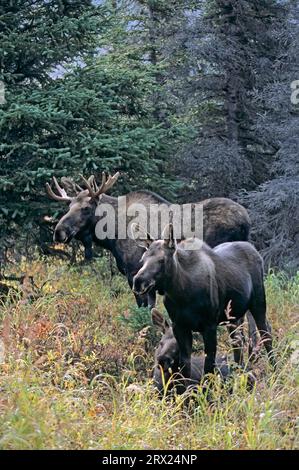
x=75, y=373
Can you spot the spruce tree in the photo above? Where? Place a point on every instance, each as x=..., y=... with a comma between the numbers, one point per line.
x=77, y=100
x=232, y=46
x=274, y=205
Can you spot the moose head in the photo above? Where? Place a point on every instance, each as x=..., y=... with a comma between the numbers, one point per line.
x=166, y=372
x=167, y=352
x=155, y=260
x=79, y=222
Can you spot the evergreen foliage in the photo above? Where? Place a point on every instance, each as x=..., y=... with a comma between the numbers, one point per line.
x=78, y=100
x=194, y=92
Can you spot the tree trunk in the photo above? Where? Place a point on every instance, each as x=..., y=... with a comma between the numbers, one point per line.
x=232, y=108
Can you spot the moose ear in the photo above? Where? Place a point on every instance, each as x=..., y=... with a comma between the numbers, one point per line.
x=159, y=320
x=168, y=236
x=142, y=237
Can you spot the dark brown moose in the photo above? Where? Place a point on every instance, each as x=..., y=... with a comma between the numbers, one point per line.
x=198, y=283
x=223, y=220
x=166, y=368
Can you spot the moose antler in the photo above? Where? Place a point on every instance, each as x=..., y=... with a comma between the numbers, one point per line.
x=61, y=196
x=70, y=185
x=94, y=190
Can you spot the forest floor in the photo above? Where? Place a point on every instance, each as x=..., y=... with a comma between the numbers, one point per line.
x=75, y=366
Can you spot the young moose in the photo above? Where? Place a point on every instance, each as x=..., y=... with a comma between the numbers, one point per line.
x=166, y=369
x=198, y=284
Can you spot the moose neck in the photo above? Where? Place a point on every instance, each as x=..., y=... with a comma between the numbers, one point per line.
x=125, y=251
x=105, y=199
x=105, y=243
x=187, y=270
x=176, y=277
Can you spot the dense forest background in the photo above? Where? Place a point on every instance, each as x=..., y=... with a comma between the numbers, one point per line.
x=191, y=99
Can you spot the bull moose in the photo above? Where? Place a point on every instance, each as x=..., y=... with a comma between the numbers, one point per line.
x=198, y=283
x=166, y=368
x=223, y=220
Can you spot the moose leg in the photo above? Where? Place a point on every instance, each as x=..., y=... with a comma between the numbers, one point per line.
x=87, y=243
x=88, y=252
x=210, y=341
x=253, y=340
x=236, y=333
x=146, y=300
x=184, y=339
x=266, y=338
x=141, y=300
x=151, y=298
x=258, y=311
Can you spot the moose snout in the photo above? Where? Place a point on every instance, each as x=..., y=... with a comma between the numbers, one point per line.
x=138, y=286
x=141, y=285
x=161, y=375
x=61, y=235
x=159, y=379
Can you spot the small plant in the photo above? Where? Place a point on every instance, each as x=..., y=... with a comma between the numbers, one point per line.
x=136, y=318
